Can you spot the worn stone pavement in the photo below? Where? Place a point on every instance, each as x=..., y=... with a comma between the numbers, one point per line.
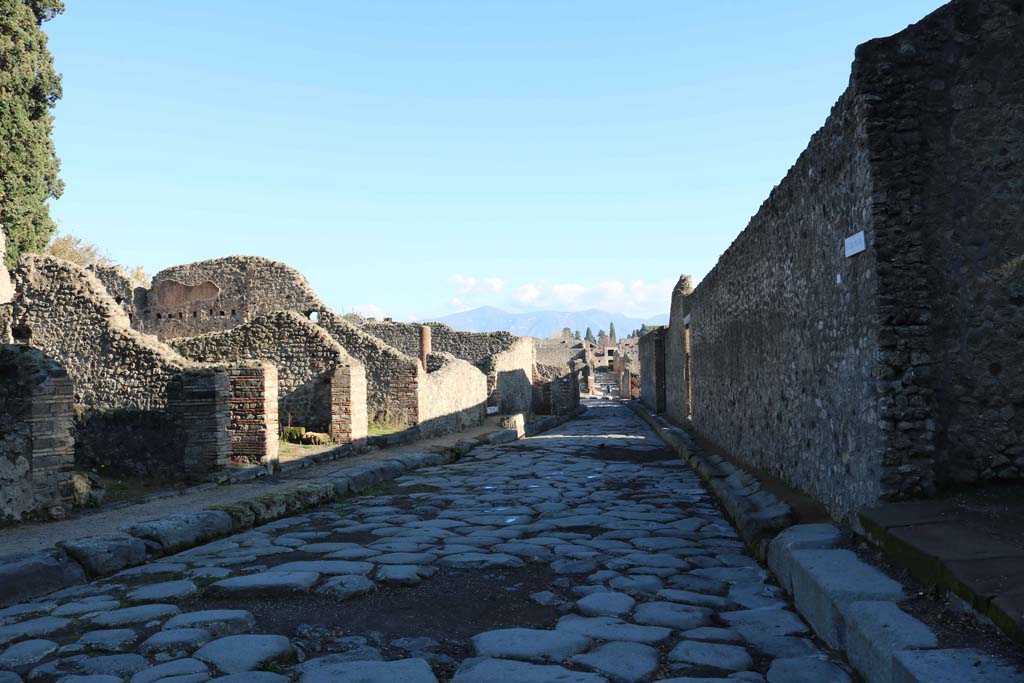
x=582, y=555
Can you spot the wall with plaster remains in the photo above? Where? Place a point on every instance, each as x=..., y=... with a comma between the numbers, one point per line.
x=306, y=358
x=452, y=395
x=879, y=374
x=36, y=435
x=219, y=294
x=506, y=359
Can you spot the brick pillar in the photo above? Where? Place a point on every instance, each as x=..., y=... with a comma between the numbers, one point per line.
x=254, y=423
x=53, y=441
x=198, y=403
x=425, y=344
x=348, y=404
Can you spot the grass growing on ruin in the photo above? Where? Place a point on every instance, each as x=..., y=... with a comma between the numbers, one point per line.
x=383, y=428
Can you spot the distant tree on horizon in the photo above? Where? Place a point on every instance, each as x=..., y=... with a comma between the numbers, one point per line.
x=611, y=334
x=589, y=336
x=29, y=89
x=576, y=335
x=77, y=250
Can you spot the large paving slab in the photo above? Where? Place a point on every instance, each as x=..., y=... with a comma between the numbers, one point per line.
x=587, y=554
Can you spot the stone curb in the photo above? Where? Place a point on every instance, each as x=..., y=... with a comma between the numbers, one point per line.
x=28, y=575
x=758, y=514
x=931, y=569
x=849, y=604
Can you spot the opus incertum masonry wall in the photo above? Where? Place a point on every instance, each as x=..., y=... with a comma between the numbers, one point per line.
x=861, y=337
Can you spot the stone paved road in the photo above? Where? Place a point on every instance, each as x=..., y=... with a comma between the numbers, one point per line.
x=583, y=555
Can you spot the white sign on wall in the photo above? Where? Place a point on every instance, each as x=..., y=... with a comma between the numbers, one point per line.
x=855, y=244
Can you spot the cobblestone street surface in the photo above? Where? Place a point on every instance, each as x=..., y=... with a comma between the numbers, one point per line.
x=586, y=554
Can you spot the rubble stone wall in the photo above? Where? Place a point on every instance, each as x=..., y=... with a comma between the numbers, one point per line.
x=143, y=403
x=890, y=369
x=36, y=435
x=947, y=133
x=219, y=294
x=392, y=377
x=66, y=312
x=785, y=318
x=306, y=357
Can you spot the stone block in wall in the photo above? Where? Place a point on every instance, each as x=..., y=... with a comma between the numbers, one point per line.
x=349, y=422
x=254, y=418
x=36, y=434
x=198, y=403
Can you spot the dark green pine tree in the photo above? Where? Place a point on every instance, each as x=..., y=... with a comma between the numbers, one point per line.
x=29, y=89
x=589, y=336
x=611, y=334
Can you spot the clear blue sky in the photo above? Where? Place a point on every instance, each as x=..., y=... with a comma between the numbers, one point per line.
x=422, y=156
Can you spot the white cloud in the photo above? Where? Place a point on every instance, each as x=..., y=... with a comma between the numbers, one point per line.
x=369, y=311
x=634, y=297
x=472, y=285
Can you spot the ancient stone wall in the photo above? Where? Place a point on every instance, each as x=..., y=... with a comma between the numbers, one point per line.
x=785, y=318
x=652, y=369
x=452, y=395
x=144, y=403
x=392, y=377
x=36, y=434
x=306, y=357
x=65, y=311
x=556, y=390
x=853, y=339
x=677, y=398
x=125, y=293
x=219, y=294
x=946, y=127
x=506, y=359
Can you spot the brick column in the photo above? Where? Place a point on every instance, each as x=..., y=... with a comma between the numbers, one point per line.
x=254, y=422
x=348, y=404
x=198, y=403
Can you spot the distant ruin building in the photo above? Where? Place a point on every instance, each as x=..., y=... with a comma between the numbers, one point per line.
x=861, y=337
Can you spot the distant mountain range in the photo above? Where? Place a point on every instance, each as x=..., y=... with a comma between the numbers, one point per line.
x=544, y=323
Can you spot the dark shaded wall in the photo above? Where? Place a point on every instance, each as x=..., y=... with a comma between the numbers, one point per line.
x=652, y=369
x=949, y=141
x=897, y=370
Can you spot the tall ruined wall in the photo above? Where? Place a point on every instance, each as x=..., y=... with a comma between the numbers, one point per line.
x=304, y=353
x=785, y=318
x=219, y=294
x=948, y=138
x=452, y=395
x=392, y=377
x=652, y=369
x=677, y=400
x=36, y=434
x=65, y=311
x=125, y=293
x=506, y=359
x=893, y=368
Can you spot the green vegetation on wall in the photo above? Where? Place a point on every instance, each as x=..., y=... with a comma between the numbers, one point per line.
x=29, y=89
